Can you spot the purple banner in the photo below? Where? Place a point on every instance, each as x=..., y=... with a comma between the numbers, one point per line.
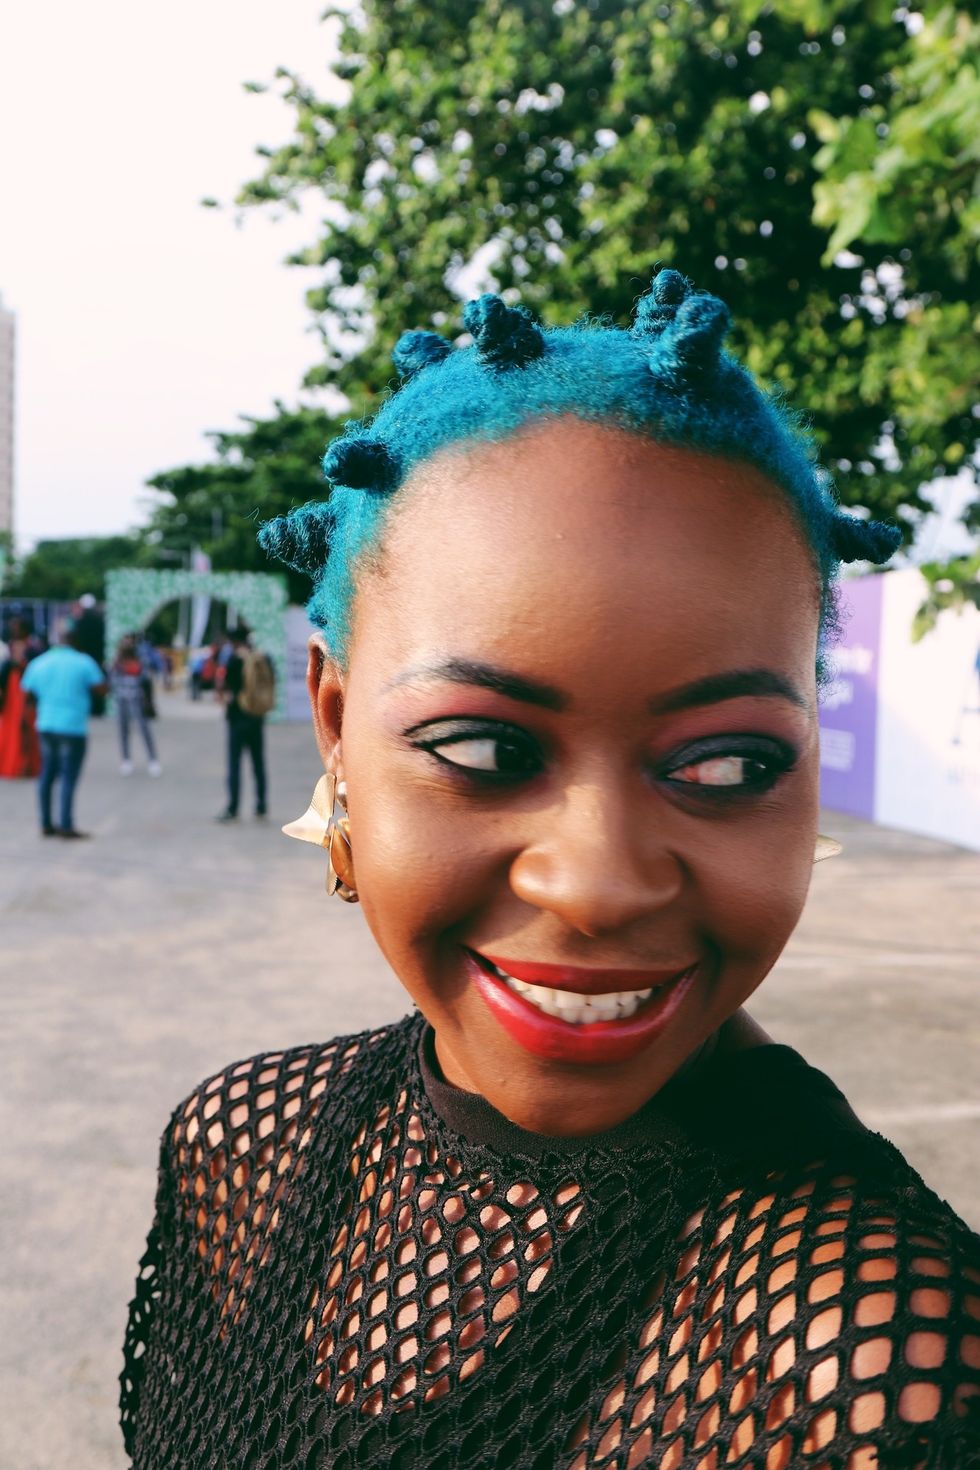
x=849, y=704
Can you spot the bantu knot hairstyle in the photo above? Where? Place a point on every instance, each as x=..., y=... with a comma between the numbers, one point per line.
x=686, y=329
x=658, y=307
x=668, y=377
x=300, y=539
x=361, y=463
x=416, y=350
x=504, y=336
x=855, y=540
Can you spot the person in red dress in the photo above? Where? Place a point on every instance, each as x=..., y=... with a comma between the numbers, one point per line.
x=20, y=751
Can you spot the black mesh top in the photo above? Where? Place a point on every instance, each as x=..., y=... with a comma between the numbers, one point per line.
x=354, y=1264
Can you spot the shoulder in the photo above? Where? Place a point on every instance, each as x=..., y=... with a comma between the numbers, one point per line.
x=258, y=1103
x=36, y=667
x=257, y=1092
x=92, y=670
x=236, y=1147
x=846, y=1309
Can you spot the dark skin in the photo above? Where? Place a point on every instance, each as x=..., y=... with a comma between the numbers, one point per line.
x=647, y=799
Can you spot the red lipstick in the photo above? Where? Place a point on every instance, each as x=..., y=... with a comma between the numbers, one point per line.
x=592, y=1043
x=581, y=981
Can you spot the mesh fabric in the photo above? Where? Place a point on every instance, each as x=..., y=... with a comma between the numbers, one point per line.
x=348, y=1269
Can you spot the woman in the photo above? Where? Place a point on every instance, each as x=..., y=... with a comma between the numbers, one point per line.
x=132, y=689
x=20, y=750
x=574, y=588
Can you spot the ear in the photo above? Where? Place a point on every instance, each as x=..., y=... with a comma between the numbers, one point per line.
x=325, y=685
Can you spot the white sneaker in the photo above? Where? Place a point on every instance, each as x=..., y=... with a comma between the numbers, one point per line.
x=155, y=768
x=126, y=768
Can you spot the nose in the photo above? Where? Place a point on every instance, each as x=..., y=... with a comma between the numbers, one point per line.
x=596, y=865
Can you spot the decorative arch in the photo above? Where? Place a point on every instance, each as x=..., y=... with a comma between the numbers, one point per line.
x=133, y=596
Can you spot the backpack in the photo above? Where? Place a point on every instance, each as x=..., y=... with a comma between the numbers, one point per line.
x=257, y=695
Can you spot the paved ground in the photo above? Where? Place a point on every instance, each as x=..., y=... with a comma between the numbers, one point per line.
x=135, y=964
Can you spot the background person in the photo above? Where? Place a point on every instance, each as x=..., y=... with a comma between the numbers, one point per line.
x=204, y=670
x=89, y=625
x=131, y=682
x=195, y=670
x=63, y=682
x=20, y=751
x=248, y=692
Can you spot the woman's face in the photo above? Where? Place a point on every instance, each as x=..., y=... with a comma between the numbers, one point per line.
x=579, y=734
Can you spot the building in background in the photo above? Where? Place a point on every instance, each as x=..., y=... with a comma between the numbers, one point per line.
x=7, y=335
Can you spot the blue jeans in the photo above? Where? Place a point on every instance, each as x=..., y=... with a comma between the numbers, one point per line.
x=61, y=759
x=245, y=732
x=130, y=711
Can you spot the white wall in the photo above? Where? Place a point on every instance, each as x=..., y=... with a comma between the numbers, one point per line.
x=927, y=771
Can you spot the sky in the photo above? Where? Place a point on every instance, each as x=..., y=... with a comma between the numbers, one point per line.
x=143, y=319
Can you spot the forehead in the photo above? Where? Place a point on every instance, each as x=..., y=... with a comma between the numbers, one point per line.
x=574, y=543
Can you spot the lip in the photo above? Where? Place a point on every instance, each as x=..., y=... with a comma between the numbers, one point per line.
x=582, y=981
x=595, y=1043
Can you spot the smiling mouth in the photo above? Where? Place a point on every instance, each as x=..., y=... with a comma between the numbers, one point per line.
x=573, y=1007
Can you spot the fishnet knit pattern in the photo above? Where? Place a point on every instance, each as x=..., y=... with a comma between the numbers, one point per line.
x=336, y=1278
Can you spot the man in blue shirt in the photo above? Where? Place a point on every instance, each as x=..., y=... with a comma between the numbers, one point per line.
x=62, y=682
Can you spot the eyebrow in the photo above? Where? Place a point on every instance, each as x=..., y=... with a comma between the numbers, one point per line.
x=714, y=689
x=485, y=676
x=735, y=684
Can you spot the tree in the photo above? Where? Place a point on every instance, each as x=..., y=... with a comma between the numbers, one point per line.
x=62, y=570
x=953, y=584
x=903, y=175
x=571, y=146
x=259, y=471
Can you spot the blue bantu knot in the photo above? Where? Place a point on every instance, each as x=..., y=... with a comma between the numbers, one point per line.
x=504, y=336
x=658, y=307
x=855, y=540
x=690, y=345
x=416, y=350
x=361, y=463
x=301, y=539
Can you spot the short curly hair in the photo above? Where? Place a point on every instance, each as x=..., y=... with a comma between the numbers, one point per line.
x=667, y=377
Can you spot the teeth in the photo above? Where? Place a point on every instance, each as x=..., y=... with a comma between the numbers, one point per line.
x=574, y=1008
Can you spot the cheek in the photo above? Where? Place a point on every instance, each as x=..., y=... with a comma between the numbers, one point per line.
x=419, y=870
x=756, y=886
x=758, y=908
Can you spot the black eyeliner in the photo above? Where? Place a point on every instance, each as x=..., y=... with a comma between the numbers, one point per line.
x=457, y=731
x=759, y=747
x=776, y=757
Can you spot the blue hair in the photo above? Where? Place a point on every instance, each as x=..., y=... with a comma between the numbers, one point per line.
x=667, y=378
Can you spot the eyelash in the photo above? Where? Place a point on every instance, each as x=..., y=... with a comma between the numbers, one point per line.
x=773, y=758
x=458, y=732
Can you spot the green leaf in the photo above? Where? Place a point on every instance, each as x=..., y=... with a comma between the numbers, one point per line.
x=870, y=142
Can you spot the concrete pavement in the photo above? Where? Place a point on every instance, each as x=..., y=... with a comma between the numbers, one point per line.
x=137, y=963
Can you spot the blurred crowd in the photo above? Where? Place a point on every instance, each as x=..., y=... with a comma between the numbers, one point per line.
x=51, y=688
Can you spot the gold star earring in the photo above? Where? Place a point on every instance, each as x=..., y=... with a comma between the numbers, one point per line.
x=826, y=847
x=325, y=823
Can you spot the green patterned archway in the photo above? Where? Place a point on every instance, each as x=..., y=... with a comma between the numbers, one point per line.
x=258, y=599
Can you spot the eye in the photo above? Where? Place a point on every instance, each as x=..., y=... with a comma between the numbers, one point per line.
x=724, y=770
x=485, y=754
x=731, y=766
x=500, y=753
